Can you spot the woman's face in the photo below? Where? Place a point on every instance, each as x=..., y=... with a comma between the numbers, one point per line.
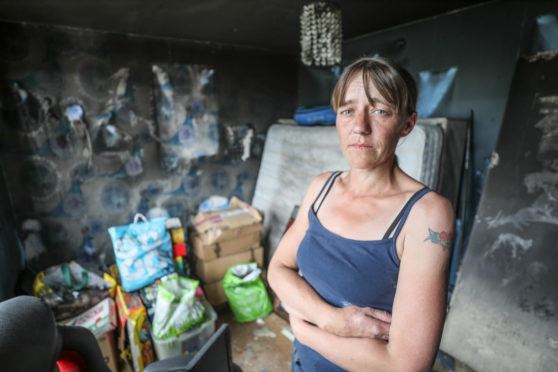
x=369, y=131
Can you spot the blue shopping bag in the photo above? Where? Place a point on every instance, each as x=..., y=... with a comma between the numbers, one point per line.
x=143, y=251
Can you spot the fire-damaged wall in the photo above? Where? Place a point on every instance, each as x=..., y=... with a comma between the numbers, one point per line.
x=96, y=127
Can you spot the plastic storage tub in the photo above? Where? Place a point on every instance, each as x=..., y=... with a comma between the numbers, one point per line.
x=187, y=342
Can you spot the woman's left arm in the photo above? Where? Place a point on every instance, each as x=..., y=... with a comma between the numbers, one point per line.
x=419, y=307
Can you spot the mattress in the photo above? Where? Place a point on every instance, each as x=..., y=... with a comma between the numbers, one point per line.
x=294, y=155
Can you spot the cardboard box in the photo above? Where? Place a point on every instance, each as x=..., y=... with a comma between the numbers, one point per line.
x=217, y=226
x=99, y=319
x=107, y=346
x=215, y=293
x=226, y=247
x=214, y=270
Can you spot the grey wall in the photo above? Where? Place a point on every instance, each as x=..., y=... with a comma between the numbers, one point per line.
x=483, y=42
x=44, y=157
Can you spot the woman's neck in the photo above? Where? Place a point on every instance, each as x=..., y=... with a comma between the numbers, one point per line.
x=378, y=181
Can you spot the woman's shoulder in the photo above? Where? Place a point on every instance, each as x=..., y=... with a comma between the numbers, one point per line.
x=317, y=183
x=433, y=206
x=431, y=220
x=322, y=178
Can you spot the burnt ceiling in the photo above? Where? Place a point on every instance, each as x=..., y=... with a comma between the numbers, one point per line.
x=271, y=25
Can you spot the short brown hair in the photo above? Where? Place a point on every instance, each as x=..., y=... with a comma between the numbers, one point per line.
x=394, y=83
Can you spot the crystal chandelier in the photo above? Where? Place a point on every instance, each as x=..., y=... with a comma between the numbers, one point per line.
x=321, y=34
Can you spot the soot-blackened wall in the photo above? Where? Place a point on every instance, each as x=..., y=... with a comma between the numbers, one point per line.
x=96, y=127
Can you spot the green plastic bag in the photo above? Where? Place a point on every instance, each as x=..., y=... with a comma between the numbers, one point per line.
x=246, y=292
x=177, y=308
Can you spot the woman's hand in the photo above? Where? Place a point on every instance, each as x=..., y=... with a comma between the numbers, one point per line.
x=354, y=321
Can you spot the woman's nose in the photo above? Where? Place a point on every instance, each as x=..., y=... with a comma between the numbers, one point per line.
x=361, y=124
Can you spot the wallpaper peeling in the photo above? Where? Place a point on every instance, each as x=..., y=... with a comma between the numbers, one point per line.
x=86, y=143
x=186, y=115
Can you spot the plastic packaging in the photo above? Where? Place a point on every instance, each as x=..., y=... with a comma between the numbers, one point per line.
x=214, y=203
x=315, y=115
x=143, y=251
x=187, y=342
x=177, y=308
x=246, y=292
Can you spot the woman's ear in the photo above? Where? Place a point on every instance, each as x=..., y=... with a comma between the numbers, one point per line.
x=409, y=124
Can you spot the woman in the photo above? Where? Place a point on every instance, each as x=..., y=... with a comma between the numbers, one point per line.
x=367, y=242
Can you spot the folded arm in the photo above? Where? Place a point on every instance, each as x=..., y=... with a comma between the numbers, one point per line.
x=419, y=306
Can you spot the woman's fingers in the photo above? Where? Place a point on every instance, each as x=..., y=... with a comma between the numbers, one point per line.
x=353, y=321
x=382, y=315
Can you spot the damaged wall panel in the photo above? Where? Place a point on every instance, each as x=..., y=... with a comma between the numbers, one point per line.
x=503, y=313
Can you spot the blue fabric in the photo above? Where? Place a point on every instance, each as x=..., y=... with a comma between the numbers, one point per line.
x=295, y=362
x=348, y=272
x=315, y=115
x=547, y=36
x=433, y=87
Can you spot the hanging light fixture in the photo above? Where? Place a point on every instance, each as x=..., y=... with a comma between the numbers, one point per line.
x=321, y=34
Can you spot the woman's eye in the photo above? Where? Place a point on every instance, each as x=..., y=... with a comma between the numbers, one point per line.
x=380, y=112
x=346, y=112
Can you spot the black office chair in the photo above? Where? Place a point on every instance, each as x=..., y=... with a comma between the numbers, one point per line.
x=30, y=339
x=214, y=356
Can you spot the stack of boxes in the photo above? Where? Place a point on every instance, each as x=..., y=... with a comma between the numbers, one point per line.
x=222, y=239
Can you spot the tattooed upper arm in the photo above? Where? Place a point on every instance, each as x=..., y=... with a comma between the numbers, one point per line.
x=442, y=238
x=433, y=225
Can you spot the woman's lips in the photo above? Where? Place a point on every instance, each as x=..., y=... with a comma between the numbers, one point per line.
x=360, y=146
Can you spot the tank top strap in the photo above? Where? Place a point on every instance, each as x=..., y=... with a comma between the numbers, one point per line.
x=402, y=216
x=329, y=183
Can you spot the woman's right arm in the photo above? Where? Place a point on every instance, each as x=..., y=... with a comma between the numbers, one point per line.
x=299, y=299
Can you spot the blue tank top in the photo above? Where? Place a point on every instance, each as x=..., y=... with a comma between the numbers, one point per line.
x=346, y=271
